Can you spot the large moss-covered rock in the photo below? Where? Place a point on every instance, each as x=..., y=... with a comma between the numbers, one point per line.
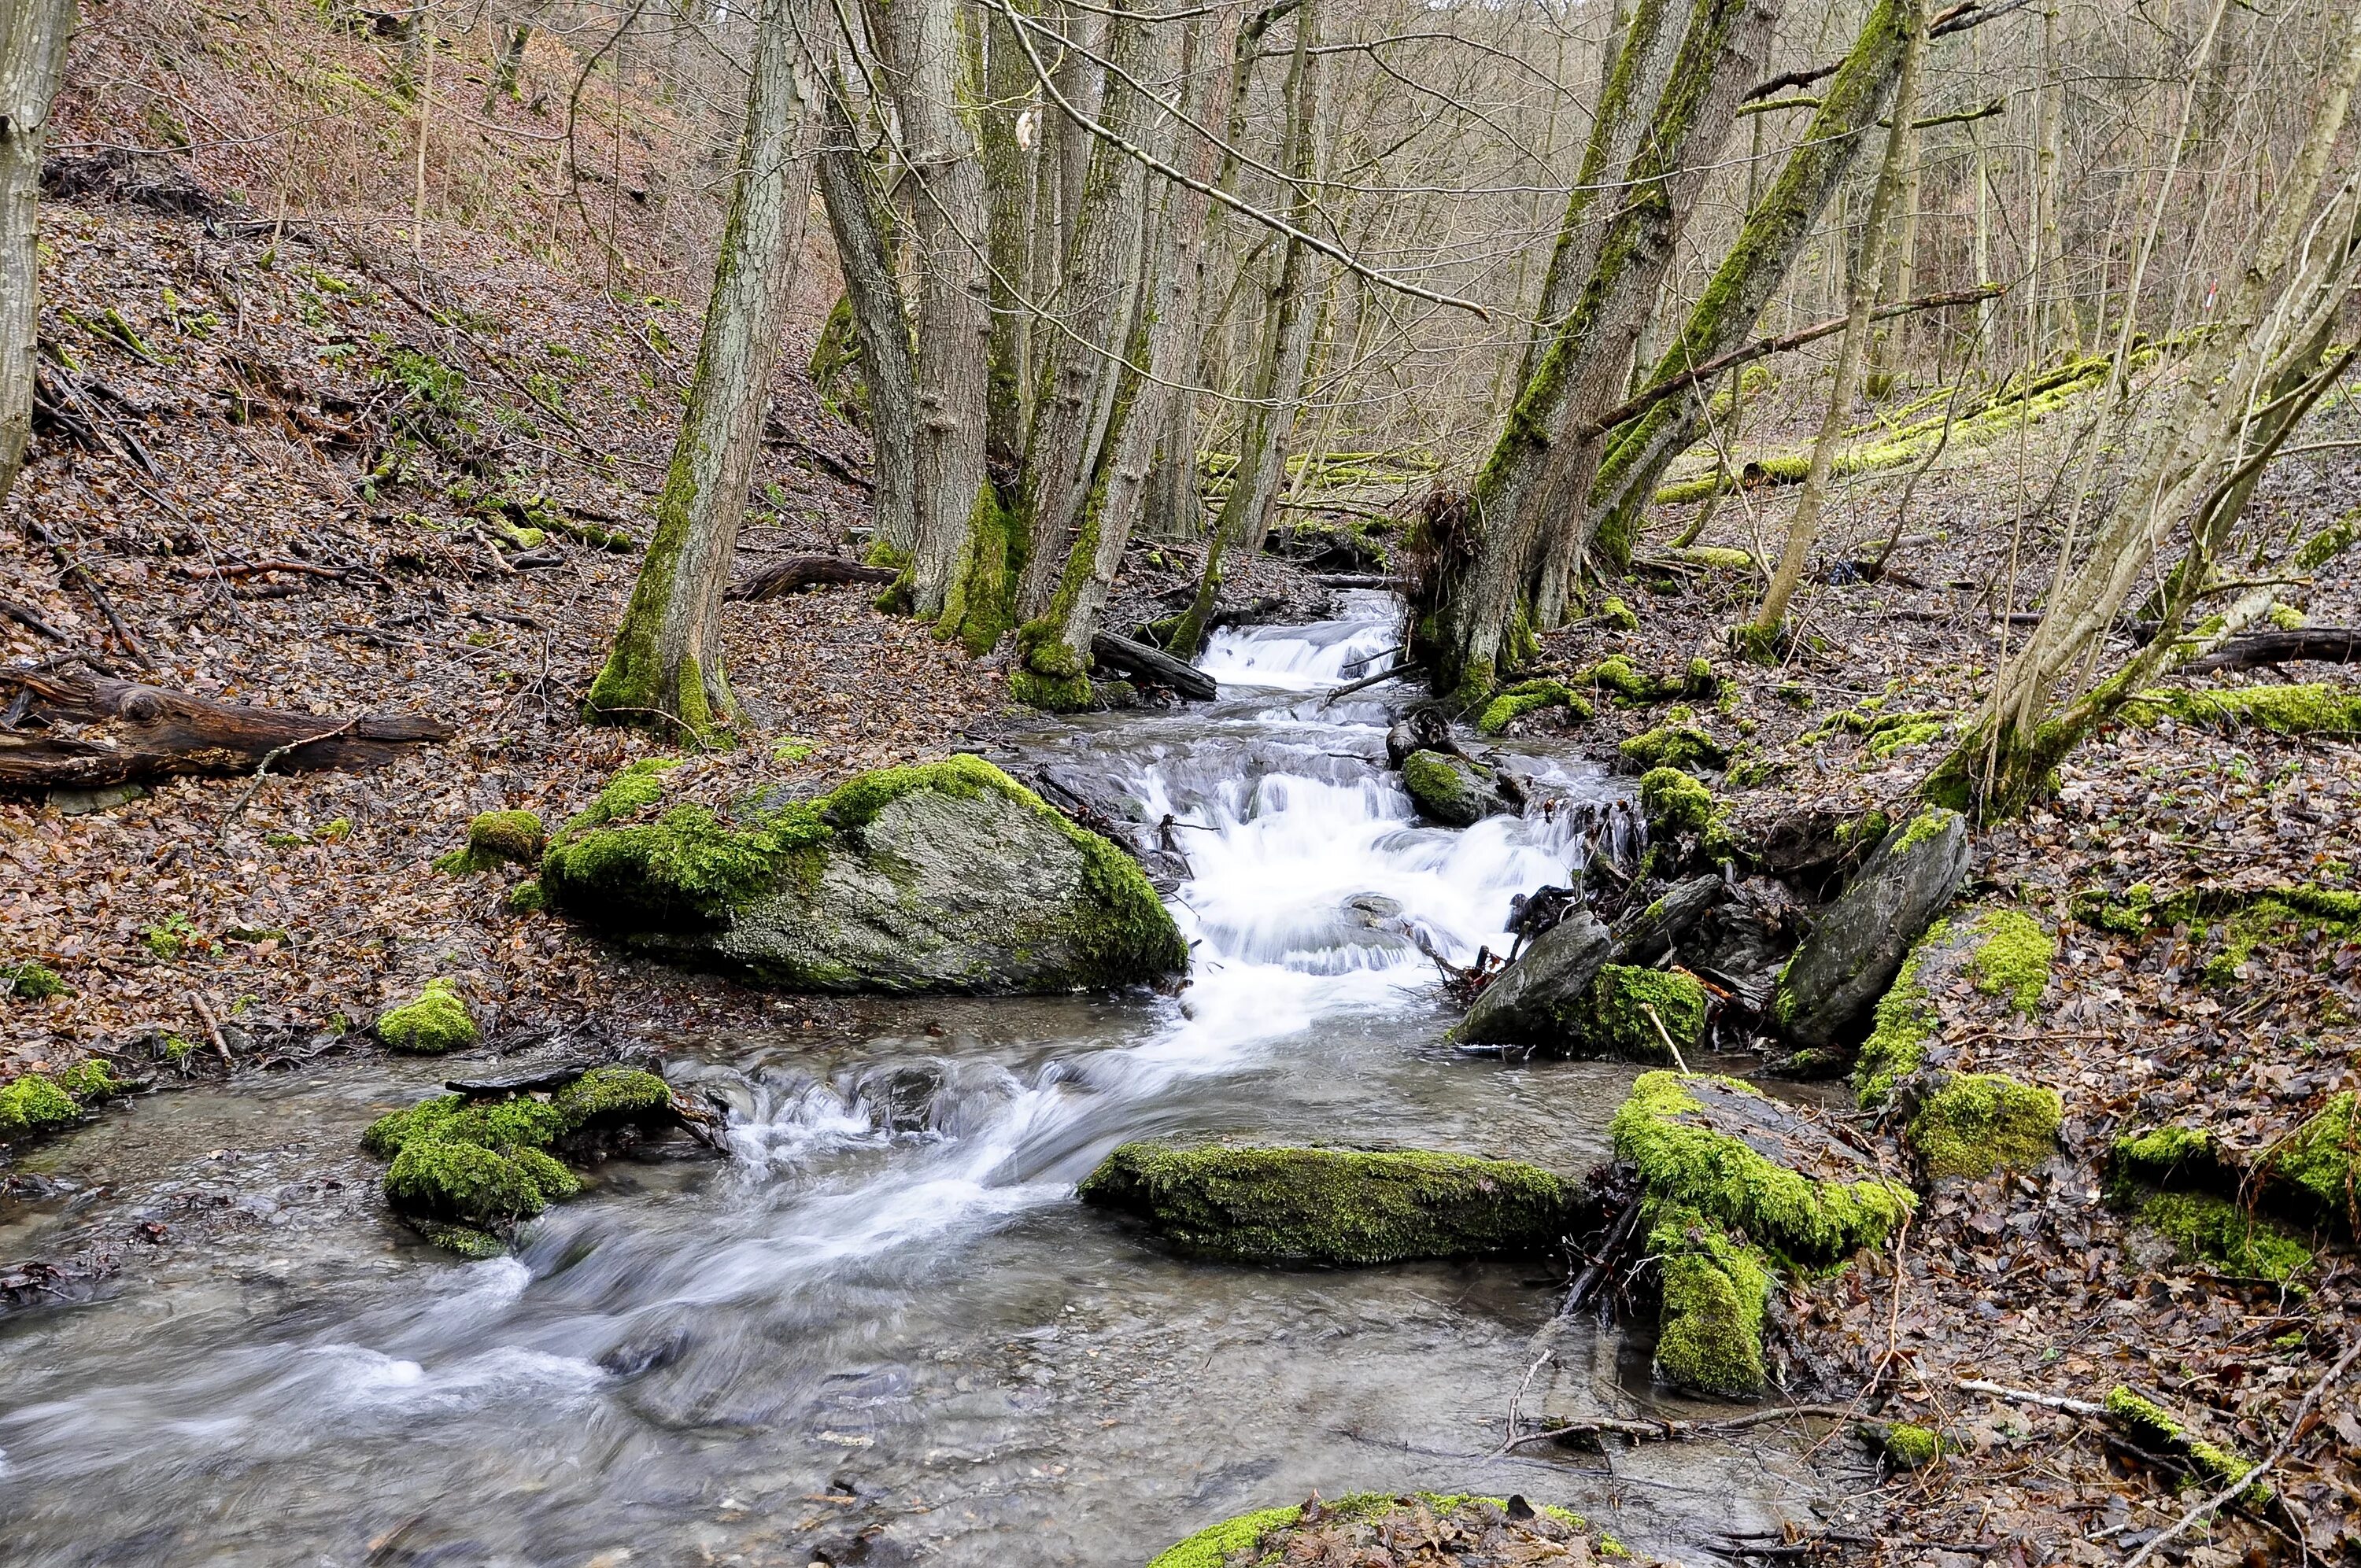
x=1859, y=942
x=945, y=877
x=1999, y=952
x=1973, y=1124
x=1452, y=790
x=1333, y=1206
x=1360, y=1527
x=1736, y=1185
x=436, y=1019
x=1541, y=1000
x=37, y=1102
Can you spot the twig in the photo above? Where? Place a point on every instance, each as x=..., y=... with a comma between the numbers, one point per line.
x=2252, y=1477
x=2028, y=1396
x=1668, y=1430
x=1664, y=1035
x=213, y=1028
x=1365, y=681
x=274, y=754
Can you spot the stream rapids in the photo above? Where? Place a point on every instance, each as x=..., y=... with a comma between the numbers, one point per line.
x=884, y=1332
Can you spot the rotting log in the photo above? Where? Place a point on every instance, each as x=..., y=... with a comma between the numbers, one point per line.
x=1152, y=664
x=2327, y=644
x=144, y=732
x=799, y=572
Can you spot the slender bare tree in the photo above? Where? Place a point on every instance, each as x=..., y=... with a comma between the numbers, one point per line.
x=33, y=35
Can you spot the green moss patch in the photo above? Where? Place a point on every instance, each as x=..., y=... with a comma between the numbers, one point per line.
x=34, y=1103
x=2320, y=708
x=1532, y=697
x=2320, y=1162
x=2242, y=918
x=1333, y=1206
x=2011, y=958
x=1901, y=1024
x=1615, y=1014
x=1976, y=1122
x=2210, y=1229
x=2004, y=952
x=497, y=838
x=2151, y=1426
x=1673, y=746
x=30, y=980
x=1716, y=1290
x=1451, y=1527
x=1901, y=1445
x=435, y=1022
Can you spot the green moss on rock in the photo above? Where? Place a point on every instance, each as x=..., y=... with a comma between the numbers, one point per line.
x=1617, y=616
x=2151, y=1426
x=2321, y=1160
x=2212, y=1230
x=1901, y=1024
x=1333, y=1206
x=497, y=838
x=1532, y=697
x=1976, y=1122
x=1716, y=1290
x=1265, y=1531
x=1901, y=1445
x=2011, y=958
x=1451, y=790
x=435, y=1022
x=1615, y=1009
x=34, y=1103
x=1673, y=746
x=445, y=1180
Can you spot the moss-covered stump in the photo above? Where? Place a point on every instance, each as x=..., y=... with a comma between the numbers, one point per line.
x=436, y=1021
x=944, y=877
x=496, y=838
x=1635, y=1014
x=37, y=1102
x=1333, y=1206
x=2158, y=1430
x=1542, y=999
x=1452, y=790
x=2003, y=953
x=1859, y=942
x=466, y=1167
x=1971, y=1123
x=1451, y=1527
x=1734, y=1187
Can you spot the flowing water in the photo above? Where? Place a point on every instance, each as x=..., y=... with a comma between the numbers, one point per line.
x=885, y=1332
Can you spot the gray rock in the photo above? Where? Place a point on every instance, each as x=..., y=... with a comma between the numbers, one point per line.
x=949, y=877
x=1537, y=1000
x=1452, y=790
x=1858, y=943
x=1651, y=933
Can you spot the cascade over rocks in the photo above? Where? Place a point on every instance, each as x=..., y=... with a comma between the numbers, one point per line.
x=944, y=877
x=1454, y=790
x=1859, y=942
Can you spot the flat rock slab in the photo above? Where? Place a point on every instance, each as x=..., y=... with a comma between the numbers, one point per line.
x=1789, y=1135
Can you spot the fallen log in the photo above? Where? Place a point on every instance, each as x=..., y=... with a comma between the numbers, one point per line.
x=2327, y=644
x=144, y=732
x=1152, y=664
x=799, y=572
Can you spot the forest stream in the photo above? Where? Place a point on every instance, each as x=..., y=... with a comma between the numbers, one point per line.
x=884, y=1332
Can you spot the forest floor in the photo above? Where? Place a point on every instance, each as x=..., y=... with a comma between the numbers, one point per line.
x=309, y=456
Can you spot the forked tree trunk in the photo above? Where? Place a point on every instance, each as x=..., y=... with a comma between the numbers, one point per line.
x=1760, y=636
x=882, y=319
x=667, y=664
x=33, y=35
x=1750, y=274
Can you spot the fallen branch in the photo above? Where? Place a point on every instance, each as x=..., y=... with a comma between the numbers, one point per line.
x=800, y=572
x=1152, y=664
x=2031, y=1396
x=1364, y=682
x=1667, y=1429
x=2327, y=644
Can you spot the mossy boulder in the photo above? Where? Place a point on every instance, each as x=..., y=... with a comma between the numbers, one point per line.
x=1901, y=1445
x=948, y=876
x=1451, y=1527
x=1683, y=746
x=1971, y=1123
x=37, y=1102
x=436, y=1021
x=1452, y=790
x=1677, y=808
x=1858, y=943
x=30, y=980
x=2310, y=1175
x=1616, y=1015
x=496, y=838
x=466, y=1168
x=1542, y=999
x=2215, y=1232
x=1333, y=1206
x=1736, y=1185
x=1999, y=952
x=1530, y=696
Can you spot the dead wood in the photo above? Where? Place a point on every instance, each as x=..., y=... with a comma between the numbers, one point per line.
x=145, y=732
x=2325, y=644
x=1152, y=664
x=799, y=572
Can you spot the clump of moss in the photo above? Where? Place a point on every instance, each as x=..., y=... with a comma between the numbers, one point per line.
x=2151, y=1426
x=1673, y=746
x=90, y=1081
x=1882, y=733
x=2317, y=708
x=2166, y=1154
x=475, y=1165
x=1672, y=803
x=1721, y=557
x=1716, y=1290
x=2008, y=953
x=1800, y=1221
x=1976, y=1122
x=1333, y=1206
x=30, y=980
x=526, y=897
x=34, y=1104
x=2322, y=1159
x=1615, y=1008
x=1617, y=616
x=2247, y=917
x=497, y=838
x=2209, y=1229
x=1451, y=790
x=1515, y=702
x=1901, y=1024
x=1267, y=1533
x=2011, y=958
x=435, y=1022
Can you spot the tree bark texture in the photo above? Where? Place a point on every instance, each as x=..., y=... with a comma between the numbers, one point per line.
x=666, y=662
x=881, y=319
x=1008, y=189
x=33, y=35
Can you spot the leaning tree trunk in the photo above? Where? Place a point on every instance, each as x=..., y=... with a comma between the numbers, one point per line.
x=1079, y=366
x=1276, y=382
x=1750, y=274
x=1542, y=463
x=666, y=662
x=960, y=567
x=882, y=319
x=1760, y=636
x=33, y=35
x=1142, y=423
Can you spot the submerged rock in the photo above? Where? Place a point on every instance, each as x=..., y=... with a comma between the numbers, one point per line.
x=1859, y=942
x=1541, y=1000
x=1734, y=1187
x=1452, y=790
x=1333, y=1206
x=945, y=877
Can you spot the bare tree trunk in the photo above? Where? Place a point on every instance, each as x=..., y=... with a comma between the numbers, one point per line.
x=2042, y=241
x=881, y=318
x=33, y=35
x=960, y=568
x=1899, y=275
x=509, y=62
x=1761, y=635
x=1008, y=189
x=666, y=662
